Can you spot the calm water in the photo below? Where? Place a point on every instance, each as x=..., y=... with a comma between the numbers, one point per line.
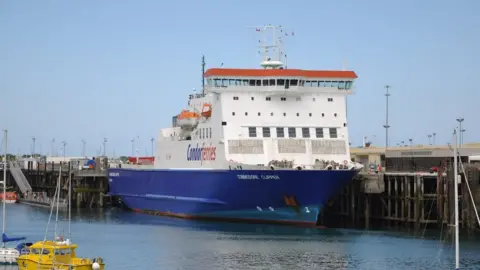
x=131, y=241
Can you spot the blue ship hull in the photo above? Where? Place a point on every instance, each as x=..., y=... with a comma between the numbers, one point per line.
x=279, y=196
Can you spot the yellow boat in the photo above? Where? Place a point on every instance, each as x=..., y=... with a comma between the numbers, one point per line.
x=48, y=255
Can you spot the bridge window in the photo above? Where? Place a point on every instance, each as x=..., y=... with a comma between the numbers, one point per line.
x=252, y=132
x=258, y=82
x=217, y=82
x=281, y=82
x=251, y=82
x=292, y=132
x=341, y=85
x=319, y=132
x=333, y=133
x=266, y=132
x=335, y=84
x=348, y=85
x=328, y=83
x=293, y=82
x=280, y=132
x=265, y=82
x=321, y=83
x=272, y=82
x=306, y=132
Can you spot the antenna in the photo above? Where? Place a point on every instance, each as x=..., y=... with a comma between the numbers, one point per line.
x=272, y=53
x=203, y=74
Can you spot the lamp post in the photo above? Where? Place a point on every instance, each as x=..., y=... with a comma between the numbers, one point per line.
x=386, y=126
x=83, y=148
x=434, y=137
x=429, y=139
x=133, y=146
x=152, y=139
x=460, y=121
x=64, y=143
x=53, y=147
x=411, y=142
x=104, y=147
x=33, y=147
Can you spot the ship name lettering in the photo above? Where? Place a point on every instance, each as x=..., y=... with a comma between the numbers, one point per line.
x=201, y=153
x=256, y=177
x=114, y=174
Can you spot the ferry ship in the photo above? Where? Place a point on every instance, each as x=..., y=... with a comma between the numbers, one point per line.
x=266, y=145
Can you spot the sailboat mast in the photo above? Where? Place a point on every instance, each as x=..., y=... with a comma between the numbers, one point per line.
x=4, y=185
x=455, y=185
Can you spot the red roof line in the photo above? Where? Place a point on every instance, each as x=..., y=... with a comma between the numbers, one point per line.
x=233, y=72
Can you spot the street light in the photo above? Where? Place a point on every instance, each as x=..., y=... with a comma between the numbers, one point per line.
x=429, y=139
x=53, y=147
x=133, y=146
x=83, y=147
x=33, y=149
x=434, y=137
x=152, y=139
x=460, y=121
x=64, y=143
x=410, y=141
x=104, y=147
x=386, y=126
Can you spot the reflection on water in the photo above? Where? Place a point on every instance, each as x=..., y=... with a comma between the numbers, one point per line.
x=130, y=240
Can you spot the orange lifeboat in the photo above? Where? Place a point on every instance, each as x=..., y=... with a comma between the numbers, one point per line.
x=207, y=110
x=187, y=119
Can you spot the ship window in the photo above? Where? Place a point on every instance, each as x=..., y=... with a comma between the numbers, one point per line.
x=333, y=133
x=217, y=82
x=266, y=132
x=265, y=82
x=335, y=84
x=252, y=132
x=310, y=114
x=315, y=83
x=292, y=132
x=298, y=99
x=284, y=114
x=259, y=114
x=280, y=132
x=271, y=114
x=202, y=133
x=233, y=113
x=298, y=114
x=245, y=82
x=341, y=85
x=246, y=113
x=272, y=82
x=335, y=114
x=323, y=115
x=280, y=82
x=327, y=83
x=235, y=98
x=238, y=82
x=321, y=84
x=330, y=99
x=319, y=132
x=232, y=82
x=306, y=132
x=293, y=82
x=283, y=99
x=253, y=98
x=302, y=82
x=251, y=82
x=268, y=98
x=224, y=123
x=259, y=82
x=209, y=132
x=287, y=84
x=313, y=99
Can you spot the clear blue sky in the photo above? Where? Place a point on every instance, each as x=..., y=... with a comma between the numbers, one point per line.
x=74, y=70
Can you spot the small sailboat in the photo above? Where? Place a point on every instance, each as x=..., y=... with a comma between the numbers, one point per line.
x=59, y=253
x=8, y=255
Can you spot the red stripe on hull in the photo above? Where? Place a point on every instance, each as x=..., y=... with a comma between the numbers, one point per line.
x=236, y=220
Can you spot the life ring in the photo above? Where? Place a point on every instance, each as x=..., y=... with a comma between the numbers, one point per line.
x=345, y=162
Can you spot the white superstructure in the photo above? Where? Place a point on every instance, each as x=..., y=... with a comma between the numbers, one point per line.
x=257, y=118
